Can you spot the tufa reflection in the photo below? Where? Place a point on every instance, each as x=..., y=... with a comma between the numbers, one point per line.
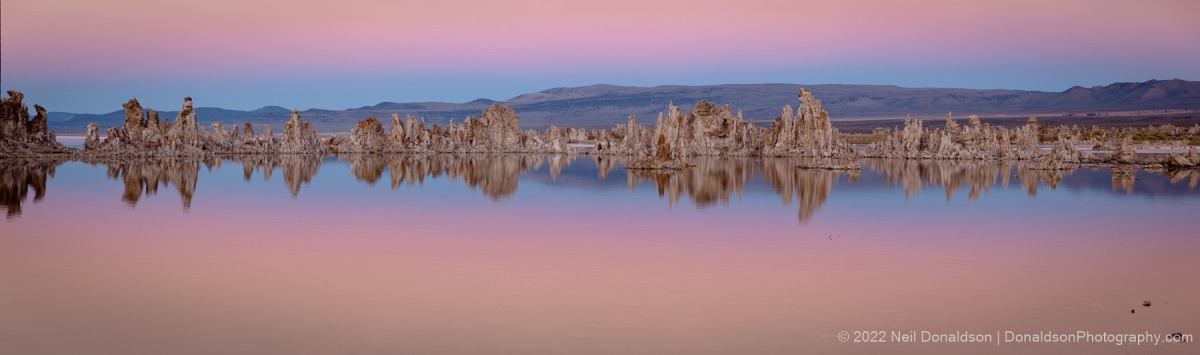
x=712, y=180
x=18, y=176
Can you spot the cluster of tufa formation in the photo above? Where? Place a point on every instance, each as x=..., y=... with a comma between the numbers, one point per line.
x=974, y=141
x=298, y=137
x=706, y=129
x=709, y=130
x=1191, y=159
x=21, y=136
x=144, y=135
x=808, y=134
x=496, y=131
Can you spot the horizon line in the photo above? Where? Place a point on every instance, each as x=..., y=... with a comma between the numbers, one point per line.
x=615, y=85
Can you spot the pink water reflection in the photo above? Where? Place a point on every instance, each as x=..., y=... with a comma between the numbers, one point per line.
x=544, y=272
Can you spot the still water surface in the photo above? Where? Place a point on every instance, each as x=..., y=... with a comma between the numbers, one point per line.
x=511, y=254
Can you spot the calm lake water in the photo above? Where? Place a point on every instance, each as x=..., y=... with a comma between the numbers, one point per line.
x=510, y=254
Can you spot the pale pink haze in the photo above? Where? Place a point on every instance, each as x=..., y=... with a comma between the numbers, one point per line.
x=225, y=35
x=465, y=49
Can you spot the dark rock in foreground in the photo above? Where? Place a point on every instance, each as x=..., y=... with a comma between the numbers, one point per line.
x=21, y=136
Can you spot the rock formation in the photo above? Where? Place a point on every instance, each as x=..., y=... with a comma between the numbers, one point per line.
x=1183, y=161
x=809, y=133
x=36, y=130
x=1178, y=161
x=185, y=131
x=248, y=136
x=396, y=137
x=1124, y=152
x=497, y=130
x=14, y=117
x=268, y=138
x=708, y=129
x=1063, y=156
x=21, y=136
x=143, y=135
x=135, y=121
x=92, y=140
x=299, y=136
x=662, y=159
x=366, y=137
x=555, y=140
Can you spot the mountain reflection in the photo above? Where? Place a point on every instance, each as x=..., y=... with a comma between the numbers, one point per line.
x=713, y=180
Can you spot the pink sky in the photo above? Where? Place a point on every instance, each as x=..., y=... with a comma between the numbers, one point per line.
x=458, y=50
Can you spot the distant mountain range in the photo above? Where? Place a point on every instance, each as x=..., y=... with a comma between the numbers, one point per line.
x=606, y=105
